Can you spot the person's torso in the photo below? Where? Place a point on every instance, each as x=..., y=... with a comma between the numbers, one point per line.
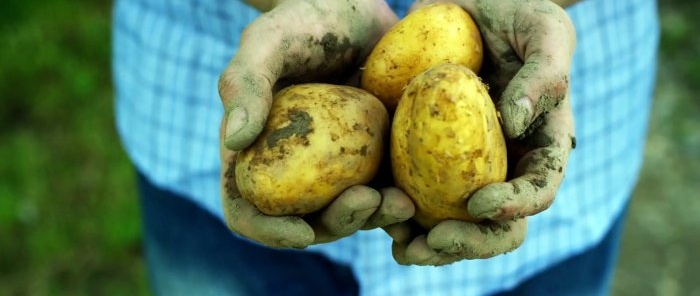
x=168, y=56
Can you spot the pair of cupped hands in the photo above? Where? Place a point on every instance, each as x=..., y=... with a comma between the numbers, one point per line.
x=528, y=52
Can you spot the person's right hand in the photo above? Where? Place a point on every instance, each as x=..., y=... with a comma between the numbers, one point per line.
x=300, y=41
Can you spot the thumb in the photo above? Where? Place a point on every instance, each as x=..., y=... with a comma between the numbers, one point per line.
x=247, y=96
x=536, y=89
x=546, y=49
x=246, y=87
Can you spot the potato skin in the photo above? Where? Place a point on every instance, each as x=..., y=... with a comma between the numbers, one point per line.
x=432, y=35
x=319, y=140
x=446, y=142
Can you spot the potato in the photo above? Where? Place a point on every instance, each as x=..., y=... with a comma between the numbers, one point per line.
x=319, y=140
x=446, y=142
x=432, y=35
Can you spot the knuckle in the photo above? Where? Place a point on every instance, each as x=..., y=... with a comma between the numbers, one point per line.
x=225, y=84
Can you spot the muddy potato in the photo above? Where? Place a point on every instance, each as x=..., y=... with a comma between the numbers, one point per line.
x=446, y=142
x=319, y=140
x=432, y=35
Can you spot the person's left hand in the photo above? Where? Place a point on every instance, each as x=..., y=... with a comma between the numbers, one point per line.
x=529, y=46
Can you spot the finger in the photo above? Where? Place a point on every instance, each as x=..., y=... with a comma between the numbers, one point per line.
x=416, y=253
x=402, y=232
x=245, y=88
x=463, y=240
x=538, y=174
x=526, y=195
x=395, y=207
x=347, y=214
x=279, y=232
x=398, y=251
x=545, y=43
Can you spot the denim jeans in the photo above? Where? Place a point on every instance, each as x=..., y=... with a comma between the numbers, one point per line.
x=190, y=252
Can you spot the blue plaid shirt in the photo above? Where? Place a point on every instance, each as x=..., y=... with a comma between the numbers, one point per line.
x=168, y=56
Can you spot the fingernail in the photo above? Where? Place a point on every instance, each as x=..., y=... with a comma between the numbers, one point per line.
x=478, y=211
x=525, y=109
x=481, y=206
x=488, y=215
x=236, y=120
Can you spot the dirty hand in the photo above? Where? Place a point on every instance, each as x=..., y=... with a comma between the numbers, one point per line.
x=529, y=48
x=358, y=207
x=299, y=41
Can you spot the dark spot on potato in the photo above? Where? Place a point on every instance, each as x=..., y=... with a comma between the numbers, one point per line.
x=356, y=127
x=434, y=111
x=369, y=132
x=300, y=125
x=573, y=142
x=342, y=149
x=363, y=150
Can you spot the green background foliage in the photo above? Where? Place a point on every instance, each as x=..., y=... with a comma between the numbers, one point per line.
x=69, y=215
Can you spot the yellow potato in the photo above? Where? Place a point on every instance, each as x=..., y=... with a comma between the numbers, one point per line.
x=435, y=34
x=319, y=140
x=446, y=142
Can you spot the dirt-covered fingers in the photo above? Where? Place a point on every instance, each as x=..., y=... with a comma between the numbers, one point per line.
x=543, y=39
x=277, y=232
x=395, y=207
x=538, y=173
x=452, y=241
x=533, y=191
x=486, y=239
x=246, y=89
x=529, y=46
x=346, y=214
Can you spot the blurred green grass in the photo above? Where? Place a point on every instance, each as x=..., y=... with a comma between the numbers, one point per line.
x=69, y=216
x=659, y=249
